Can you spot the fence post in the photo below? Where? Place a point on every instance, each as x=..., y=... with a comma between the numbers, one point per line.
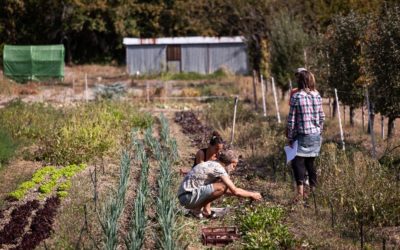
x=86, y=87
x=276, y=100
x=255, y=90
x=234, y=118
x=382, y=126
x=371, y=129
x=263, y=95
x=340, y=120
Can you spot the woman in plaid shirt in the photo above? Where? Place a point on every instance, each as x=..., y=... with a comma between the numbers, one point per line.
x=305, y=124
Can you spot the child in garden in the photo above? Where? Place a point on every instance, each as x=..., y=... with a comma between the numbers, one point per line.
x=209, y=181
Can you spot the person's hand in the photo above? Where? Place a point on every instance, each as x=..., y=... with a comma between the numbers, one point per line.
x=256, y=196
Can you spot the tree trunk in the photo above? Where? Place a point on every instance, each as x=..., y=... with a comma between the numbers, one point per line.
x=351, y=114
x=391, y=121
x=334, y=108
x=371, y=119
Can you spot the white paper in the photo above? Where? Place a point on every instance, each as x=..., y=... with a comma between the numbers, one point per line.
x=291, y=151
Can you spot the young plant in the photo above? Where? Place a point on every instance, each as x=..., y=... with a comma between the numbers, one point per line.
x=138, y=223
x=114, y=207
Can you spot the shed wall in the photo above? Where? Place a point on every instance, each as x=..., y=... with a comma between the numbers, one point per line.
x=200, y=58
x=146, y=59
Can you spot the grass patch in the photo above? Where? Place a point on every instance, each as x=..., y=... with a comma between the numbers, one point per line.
x=187, y=76
x=7, y=147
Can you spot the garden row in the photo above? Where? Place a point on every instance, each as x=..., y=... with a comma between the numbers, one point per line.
x=40, y=225
x=164, y=153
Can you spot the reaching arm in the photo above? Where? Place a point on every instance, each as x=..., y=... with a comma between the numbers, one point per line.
x=238, y=191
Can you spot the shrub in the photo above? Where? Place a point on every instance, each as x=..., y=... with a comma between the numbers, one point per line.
x=360, y=192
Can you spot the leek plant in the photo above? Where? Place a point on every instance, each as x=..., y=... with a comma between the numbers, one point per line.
x=138, y=223
x=166, y=203
x=114, y=207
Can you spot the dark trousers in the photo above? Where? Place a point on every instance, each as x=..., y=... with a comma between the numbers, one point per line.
x=300, y=166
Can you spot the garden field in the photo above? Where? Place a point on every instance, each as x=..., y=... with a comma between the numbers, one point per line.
x=98, y=167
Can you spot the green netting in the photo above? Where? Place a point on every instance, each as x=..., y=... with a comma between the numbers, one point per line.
x=38, y=63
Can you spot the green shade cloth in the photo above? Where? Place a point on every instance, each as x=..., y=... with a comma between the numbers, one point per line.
x=37, y=63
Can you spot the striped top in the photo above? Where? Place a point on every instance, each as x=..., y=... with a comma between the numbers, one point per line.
x=306, y=115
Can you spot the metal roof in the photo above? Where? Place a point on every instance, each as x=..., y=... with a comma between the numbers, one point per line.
x=183, y=40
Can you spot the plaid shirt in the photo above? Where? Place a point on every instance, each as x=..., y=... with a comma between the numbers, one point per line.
x=306, y=115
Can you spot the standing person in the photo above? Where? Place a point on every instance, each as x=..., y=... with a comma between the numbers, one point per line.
x=210, y=153
x=209, y=181
x=305, y=124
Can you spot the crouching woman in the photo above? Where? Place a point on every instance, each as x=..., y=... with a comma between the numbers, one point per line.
x=207, y=182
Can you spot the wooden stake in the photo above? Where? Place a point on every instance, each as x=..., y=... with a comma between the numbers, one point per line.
x=382, y=127
x=255, y=90
x=234, y=119
x=276, y=100
x=340, y=120
x=371, y=129
x=263, y=96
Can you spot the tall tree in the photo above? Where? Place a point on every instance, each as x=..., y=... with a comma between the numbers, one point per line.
x=345, y=56
x=288, y=42
x=384, y=52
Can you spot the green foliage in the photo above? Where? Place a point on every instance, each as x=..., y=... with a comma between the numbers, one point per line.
x=139, y=221
x=48, y=178
x=113, y=208
x=7, y=147
x=29, y=121
x=263, y=229
x=346, y=57
x=384, y=54
x=288, y=42
x=62, y=194
x=76, y=135
x=166, y=203
x=351, y=184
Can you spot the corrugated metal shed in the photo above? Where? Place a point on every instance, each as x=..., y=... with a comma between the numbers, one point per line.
x=186, y=54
